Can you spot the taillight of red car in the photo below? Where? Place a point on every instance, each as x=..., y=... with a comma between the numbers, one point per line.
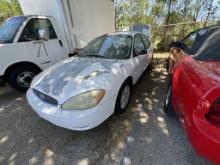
x=213, y=115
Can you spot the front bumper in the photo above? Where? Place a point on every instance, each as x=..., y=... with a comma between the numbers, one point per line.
x=72, y=119
x=2, y=81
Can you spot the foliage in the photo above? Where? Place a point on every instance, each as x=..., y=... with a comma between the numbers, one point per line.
x=188, y=15
x=157, y=13
x=9, y=8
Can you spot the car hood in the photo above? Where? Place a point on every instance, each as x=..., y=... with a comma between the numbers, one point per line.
x=74, y=76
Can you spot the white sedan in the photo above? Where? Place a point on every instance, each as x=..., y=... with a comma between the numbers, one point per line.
x=82, y=92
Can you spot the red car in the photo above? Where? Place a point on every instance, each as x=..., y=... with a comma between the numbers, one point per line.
x=194, y=90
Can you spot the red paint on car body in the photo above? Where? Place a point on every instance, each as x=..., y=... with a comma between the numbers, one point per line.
x=195, y=88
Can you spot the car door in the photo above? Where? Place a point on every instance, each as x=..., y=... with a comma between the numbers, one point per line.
x=194, y=76
x=182, y=52
x=149, y=54
x=139, y=56
x=46, y=51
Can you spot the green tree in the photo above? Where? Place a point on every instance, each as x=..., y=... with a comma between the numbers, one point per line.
x=8, y=9
x=170, y=19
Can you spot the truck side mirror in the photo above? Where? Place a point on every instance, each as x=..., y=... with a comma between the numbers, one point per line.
x=43, y=35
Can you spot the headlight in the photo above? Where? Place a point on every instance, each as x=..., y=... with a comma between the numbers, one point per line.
x=84, y=100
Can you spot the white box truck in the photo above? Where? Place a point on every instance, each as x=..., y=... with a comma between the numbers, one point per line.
x=143, y=28
x=48, y=32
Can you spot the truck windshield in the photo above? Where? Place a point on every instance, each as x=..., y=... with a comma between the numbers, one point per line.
x=109, y=46
x=9, y=29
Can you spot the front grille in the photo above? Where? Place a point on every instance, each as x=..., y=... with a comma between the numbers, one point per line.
x=45, y=98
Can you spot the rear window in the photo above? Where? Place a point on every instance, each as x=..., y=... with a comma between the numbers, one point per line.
x=204, y=44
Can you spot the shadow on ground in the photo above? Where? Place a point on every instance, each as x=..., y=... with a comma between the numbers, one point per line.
x=143, y=135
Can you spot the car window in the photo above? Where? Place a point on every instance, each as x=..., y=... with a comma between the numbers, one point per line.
x=208, y=48
x=109, y=46
x=188, y=42
x=139, y=46
x=146, y=41
x=191, y=41
x=31, y=31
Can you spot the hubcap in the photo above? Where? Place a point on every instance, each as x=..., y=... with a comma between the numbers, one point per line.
x=125, y=97
x=24, y=79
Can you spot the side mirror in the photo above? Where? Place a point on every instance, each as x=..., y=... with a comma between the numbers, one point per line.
x=43, y=35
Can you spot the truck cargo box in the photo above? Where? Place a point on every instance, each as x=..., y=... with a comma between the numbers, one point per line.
x=79, y=20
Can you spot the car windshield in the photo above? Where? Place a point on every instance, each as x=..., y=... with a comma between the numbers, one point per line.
x=9, y=29
x=109, y=46
x=203, y=44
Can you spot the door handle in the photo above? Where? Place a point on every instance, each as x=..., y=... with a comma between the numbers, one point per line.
x=61, y=43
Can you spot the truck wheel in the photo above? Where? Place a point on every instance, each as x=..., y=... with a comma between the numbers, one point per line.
x=20, y=78
x=123, y=98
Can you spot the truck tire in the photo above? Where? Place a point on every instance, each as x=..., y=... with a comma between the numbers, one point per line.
x=20, y=78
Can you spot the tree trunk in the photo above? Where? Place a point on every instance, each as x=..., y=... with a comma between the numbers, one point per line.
x=185, y=12
x=208, y=13
x=166, y=23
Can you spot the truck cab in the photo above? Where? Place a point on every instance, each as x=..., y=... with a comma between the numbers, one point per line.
x=28, y=45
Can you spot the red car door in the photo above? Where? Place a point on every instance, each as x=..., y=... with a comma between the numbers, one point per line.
x=189, y=88
x=187, y=78
x=196, y=81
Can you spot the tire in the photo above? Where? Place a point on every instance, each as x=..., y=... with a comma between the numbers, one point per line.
x=168, y=108
x=20, y=78
x=121, y=107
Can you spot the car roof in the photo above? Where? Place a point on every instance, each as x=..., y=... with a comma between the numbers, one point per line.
x=129, y=33
x=34, y=16
x=204, y=28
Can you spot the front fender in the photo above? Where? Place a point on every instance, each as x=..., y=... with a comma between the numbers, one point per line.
x=175, y=82
x=14, y=53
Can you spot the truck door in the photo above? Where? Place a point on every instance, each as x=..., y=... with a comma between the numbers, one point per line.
x=48, y=50
x=53, y=45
